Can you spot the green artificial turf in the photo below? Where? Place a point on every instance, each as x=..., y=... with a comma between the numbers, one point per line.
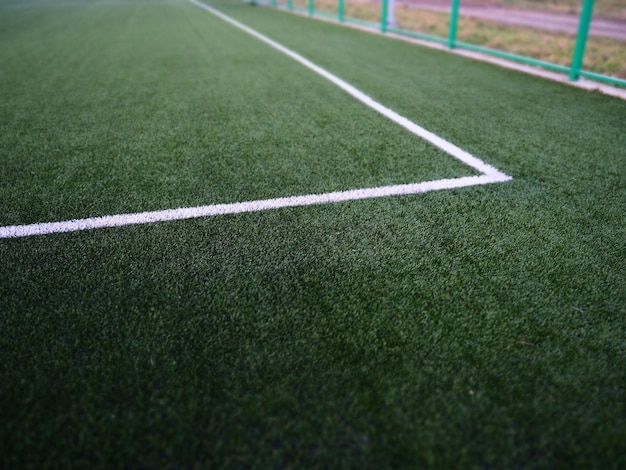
x=476, y=327
x=145, y=106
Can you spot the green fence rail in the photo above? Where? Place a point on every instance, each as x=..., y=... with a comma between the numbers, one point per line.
x=574, y=71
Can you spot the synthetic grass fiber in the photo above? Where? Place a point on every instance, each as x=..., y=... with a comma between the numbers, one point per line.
x=476, y=327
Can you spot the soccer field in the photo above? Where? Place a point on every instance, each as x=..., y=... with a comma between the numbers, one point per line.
x=262, y=240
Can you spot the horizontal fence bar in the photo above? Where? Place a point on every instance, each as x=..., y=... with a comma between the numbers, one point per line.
x=359, y=22
x=416, y=35
x=515, y=57
x=325, y=14
x=602, y=78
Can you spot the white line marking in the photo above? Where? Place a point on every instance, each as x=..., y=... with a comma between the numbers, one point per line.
x=240, y=207
x=437, y=141
x=489, y=174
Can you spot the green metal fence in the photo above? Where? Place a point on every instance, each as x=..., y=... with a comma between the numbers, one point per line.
x=385, y=16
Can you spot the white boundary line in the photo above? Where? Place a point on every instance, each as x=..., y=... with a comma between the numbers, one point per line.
x=437, y=141
x=241, y=207
x=489, y=174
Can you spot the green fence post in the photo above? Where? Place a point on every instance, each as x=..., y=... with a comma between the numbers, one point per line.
x=454, y=21
x=340, y=11
x=383, y=16
x=311, y=7
x=581, y=39
x=289, y=4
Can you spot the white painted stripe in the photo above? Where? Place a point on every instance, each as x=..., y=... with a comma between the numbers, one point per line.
x=437, y=141
x=489, y=174
x=16, y=231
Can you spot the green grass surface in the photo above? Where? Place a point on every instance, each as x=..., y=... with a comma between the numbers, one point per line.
x=478, y=327
x=124, y=108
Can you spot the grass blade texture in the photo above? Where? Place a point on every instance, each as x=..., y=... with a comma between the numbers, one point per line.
x=475, y=327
